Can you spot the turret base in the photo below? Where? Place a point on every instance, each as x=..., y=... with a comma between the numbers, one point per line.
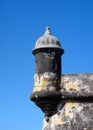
x=46, y=100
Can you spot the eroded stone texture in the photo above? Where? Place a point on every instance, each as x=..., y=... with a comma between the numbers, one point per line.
x=71, y=116
x=77, y=85
x=47, y=81
x=75, y=109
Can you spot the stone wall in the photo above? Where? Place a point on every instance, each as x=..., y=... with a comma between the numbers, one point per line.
x=75, y=109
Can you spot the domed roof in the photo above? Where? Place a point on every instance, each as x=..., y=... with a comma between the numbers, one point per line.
x=47, y=41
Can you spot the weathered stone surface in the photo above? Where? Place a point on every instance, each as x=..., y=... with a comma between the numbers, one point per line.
x=47, y=81
x=75, y=109
x=71, y=116
x=77, y=85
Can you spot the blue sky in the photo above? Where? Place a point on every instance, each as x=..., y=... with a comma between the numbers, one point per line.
x=22, y=22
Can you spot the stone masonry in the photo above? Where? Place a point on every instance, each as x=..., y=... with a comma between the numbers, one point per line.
x=66, y=100
x=75, y=109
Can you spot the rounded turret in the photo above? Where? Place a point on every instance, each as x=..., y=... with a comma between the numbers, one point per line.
x=47, y=76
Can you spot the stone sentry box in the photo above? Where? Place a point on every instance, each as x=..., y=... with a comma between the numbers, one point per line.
x=66, y=100
x=47, y=76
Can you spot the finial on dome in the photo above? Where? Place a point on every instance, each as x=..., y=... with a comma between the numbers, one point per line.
x=47, y=32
